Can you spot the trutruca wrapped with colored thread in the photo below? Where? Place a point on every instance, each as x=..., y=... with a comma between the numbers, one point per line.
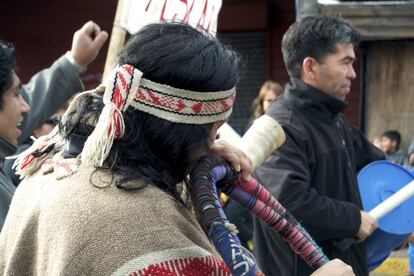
x=255, y=198
x=214, y=222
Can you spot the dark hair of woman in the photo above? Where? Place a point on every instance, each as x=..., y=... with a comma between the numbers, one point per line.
x=153, y=149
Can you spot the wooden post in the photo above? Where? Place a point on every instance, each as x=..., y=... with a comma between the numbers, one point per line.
x=116, y=41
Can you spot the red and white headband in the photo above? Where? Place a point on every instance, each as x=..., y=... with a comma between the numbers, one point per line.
x=126, y=87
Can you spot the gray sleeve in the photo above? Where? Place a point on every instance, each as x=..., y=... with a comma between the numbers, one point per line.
x=47, y=91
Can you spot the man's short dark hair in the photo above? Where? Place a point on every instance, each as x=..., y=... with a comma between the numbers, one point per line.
x=7, y=64
x=393, y=135
x=314, y=36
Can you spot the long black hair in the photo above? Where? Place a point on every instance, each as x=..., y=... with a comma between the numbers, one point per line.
x=154, y=149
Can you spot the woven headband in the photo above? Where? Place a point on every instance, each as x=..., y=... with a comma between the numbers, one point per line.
x=126, y=88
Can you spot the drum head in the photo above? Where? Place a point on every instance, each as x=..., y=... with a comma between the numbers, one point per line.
x=378, y=181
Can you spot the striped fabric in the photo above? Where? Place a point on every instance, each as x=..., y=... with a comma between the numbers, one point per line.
x=177, y=261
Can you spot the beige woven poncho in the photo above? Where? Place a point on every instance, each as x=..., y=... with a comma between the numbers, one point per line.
x=61, y=224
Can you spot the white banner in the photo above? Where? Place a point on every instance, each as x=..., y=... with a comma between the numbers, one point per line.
x=198, y=13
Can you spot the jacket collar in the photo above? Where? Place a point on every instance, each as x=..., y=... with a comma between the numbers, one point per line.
x=312, y=99
x=6, y=148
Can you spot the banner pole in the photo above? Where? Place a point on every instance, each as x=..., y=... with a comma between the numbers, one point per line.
x=116, y=41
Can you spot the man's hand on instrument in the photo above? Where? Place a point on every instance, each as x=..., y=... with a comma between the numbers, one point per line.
x=335, y=267
x=240, y=162
x=86, y=43
x=367, y=227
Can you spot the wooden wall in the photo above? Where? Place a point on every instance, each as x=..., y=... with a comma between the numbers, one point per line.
x=380, y=20
x=390, y=85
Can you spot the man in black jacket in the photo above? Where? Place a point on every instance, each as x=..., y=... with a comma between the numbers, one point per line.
x=313, y=173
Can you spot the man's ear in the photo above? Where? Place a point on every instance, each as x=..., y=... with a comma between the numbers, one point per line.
x=310, y=68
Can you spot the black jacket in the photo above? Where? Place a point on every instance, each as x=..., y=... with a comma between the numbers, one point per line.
x=313, y=174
